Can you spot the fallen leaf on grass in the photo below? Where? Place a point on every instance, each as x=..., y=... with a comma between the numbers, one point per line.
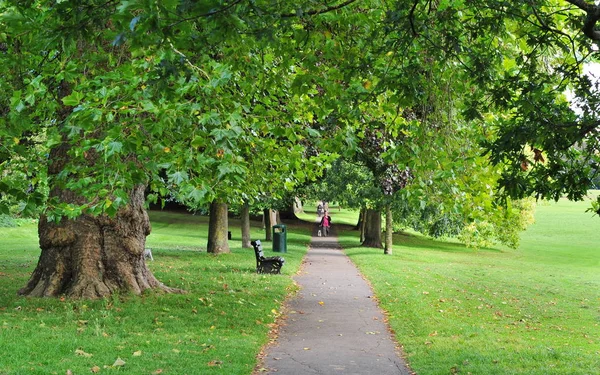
x=82, y=353
x=95, y=369
x=137, y=353
x=159, y=371
x=119, y=362
x=214, y=363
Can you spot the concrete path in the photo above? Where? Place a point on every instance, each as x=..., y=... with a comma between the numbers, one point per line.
x=333, y=325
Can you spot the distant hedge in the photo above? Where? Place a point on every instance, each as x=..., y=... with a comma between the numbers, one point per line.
x=7, y=221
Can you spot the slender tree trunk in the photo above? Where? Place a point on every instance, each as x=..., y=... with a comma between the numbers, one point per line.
x=217, y=229
x=268, y=225
x=298, y=207
x=245, y=213
x=277, y=217
x=373, y=229
x=389, y=223
x=362, y=223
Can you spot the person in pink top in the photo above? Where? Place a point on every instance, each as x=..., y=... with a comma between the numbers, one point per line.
x=325, y=223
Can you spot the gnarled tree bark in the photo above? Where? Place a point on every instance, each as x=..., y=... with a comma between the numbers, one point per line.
x=91, y=256
x=94, y=256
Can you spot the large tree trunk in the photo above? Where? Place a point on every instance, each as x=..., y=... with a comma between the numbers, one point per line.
x=389, y=223
x=289, y=213
x=245, y=218
x=372, y=229
x=92, y=257
x=268, y=224
x=217, y=229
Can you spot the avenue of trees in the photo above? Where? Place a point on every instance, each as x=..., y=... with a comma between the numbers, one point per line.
x=441, y=114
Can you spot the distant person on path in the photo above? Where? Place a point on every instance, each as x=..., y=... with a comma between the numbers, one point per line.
x=320, y=210
x=325, y=223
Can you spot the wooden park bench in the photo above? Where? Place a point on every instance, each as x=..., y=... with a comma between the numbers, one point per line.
x=266, y=264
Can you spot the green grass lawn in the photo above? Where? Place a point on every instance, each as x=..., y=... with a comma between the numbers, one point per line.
x=534, y=310
x=218, y=327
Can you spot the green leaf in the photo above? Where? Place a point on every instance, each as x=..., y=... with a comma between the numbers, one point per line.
x=20, y=107
x=178, y=177
x=114, y=147
x=74, y=99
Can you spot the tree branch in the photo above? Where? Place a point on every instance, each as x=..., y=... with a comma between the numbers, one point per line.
x=315, y=12
x=411, y=15
x=592, y=16
x=211, y=13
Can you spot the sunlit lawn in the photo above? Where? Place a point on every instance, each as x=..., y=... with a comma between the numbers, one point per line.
x=535, y=310
x=218, y=327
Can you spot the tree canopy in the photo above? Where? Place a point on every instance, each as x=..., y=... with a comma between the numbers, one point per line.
x=233, y=101
x=195, y=97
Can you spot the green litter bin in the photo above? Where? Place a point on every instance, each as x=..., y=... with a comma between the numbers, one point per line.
x=280, y=238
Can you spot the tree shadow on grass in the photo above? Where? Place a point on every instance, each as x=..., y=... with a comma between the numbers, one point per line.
x=415, y=241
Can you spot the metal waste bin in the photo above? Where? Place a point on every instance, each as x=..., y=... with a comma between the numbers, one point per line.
x=280, y=238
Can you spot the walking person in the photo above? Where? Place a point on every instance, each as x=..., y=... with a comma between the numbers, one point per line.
x=320, y=210
x=325, y=223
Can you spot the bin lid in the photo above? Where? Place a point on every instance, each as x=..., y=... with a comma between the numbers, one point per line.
x=282, y=226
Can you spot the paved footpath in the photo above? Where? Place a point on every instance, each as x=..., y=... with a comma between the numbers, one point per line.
x=333, y=325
